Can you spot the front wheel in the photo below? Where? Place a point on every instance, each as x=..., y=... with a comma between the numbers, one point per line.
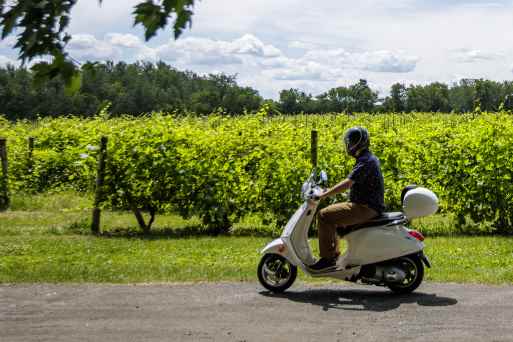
x=414, y=270
x=276, y=273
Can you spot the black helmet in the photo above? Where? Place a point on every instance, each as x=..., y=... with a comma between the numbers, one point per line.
x=356, y=140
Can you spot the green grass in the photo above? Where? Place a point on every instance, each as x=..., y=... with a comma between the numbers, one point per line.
x=68, y=258
x=46, y=239
x=65, y=211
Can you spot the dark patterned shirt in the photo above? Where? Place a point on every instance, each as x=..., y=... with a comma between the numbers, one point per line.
x=368, y=187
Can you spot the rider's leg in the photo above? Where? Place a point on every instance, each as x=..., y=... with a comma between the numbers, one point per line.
x=336, y=215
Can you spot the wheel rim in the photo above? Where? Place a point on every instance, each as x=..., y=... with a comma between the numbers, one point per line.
x=410, y=269
x=276, y=271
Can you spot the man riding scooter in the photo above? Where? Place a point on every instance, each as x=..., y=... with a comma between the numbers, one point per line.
x=398, y=262
x=366, y=198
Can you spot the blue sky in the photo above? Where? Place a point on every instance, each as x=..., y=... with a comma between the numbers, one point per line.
x=273, y=45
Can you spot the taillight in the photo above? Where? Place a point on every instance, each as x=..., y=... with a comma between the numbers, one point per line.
x=417, y=235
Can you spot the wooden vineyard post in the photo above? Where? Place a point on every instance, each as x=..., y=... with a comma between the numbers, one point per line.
x=100, y=176
x=313, y=149
x=4, y=183
x=30, y=160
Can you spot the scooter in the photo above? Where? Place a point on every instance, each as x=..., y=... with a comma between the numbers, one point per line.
x=382, y=251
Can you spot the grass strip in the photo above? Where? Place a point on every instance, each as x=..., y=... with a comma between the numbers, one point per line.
x=76, y=258
x=46, y=238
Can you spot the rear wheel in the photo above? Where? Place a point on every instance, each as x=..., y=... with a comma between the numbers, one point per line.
x=414, y=269
x=276, y=273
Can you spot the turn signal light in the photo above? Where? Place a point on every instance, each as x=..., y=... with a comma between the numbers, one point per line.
x=417, y=235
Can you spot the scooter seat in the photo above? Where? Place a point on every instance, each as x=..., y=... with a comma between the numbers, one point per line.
x=381, y=220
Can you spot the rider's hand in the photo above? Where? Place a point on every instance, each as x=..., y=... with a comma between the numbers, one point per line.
x=321, y=196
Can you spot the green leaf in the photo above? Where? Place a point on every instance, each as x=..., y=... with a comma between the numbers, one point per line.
x=183, y=18
x=150, y=16
x=154, y=17
x=9, y=22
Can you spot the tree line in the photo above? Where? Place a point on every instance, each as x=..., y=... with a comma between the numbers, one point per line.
x=467, y=95
x=129, y=89
x=145, y=87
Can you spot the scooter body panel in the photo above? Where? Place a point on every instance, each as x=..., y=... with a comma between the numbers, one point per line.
x=293, y=243
x=295, y=234
x=376, y=244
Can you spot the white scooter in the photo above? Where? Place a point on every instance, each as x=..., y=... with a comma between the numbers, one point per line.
x=381, y=252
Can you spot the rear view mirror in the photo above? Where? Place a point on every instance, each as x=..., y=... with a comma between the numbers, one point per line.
x=323, y=176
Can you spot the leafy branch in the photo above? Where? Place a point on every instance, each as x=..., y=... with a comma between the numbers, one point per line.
x=40, y=27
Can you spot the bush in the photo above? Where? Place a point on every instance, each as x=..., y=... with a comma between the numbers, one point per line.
x=221, y=168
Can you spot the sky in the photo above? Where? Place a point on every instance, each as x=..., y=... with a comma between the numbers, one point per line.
x=311, y=45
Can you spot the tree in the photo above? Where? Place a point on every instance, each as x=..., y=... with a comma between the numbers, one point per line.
x=461, y=96
x=363, y=98
x=355, y=98
x=41, y=30
x=507, y=101
x=335, y=99
x=293, y=101
x=487, y=94
x=396, y=102
x=437, y=95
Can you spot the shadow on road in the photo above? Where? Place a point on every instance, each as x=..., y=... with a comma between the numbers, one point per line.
x=361, y=300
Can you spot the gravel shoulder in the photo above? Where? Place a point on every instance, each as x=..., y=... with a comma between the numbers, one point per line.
x=245, y=312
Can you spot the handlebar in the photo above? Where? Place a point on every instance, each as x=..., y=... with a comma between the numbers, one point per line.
x=314, y=193
x=311, y=189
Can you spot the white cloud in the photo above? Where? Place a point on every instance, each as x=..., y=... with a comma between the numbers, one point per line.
x=472, y=56
x=129, y=41
x=198, y=51
x=87, y=47
x=251, y=45
x=339, y=56
x=377, y=61
x=297, y=70
x=146, y=53
x=114, y=46
x=298, y=44
x=274, y=63
x=204, y=51
x=386, y=61
x=213, y=59
x=168, y=52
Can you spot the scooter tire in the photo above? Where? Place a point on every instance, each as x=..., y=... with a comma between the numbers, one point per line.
x=419, y=266
x=276, y=288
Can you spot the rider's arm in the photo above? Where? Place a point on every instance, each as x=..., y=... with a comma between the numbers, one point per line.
x=337, y=189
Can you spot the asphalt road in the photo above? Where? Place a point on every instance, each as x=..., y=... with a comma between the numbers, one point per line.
x=245, y=312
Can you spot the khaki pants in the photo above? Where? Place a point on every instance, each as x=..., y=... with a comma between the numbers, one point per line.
x=339, y=215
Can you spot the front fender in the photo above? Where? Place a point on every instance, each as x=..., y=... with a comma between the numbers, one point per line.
x=274, y=247
x=279, y=247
